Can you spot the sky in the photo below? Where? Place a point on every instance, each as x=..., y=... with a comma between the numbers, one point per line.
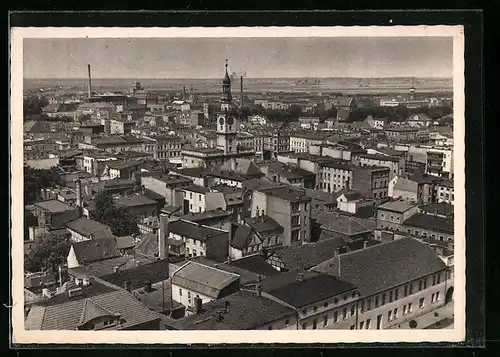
x=258, y=57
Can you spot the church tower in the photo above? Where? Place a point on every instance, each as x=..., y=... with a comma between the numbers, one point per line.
x=227, y=126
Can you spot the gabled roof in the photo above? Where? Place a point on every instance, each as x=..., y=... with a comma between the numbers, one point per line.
x=308, y=255
x=148, y=245
x=353, y=195
x=53, y=206
x=264, y=224
x=203, y=279
x=88, y=227
x=242, y=237
x=193, y=230
x=88, y=251
x=385, y=265
x=399, y=206
x=349, y=225
x=441, y=208
x=313, y=288
x=91, y=311
x=434, y=223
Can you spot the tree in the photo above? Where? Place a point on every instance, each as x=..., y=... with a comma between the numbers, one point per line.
x=413, y=324
x=33, y=105
x=119, y=220
x=35, y=180
x=47, y=253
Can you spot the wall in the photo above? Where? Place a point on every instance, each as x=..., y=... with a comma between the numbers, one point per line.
x=197, y=201
x=280, y=211
x=217, y=247
x=182, y=297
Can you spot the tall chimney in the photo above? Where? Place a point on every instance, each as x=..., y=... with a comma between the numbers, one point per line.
x=184, y=93
x=241, y=91
x=163, y=237
x=78, y=193
x=90, y=81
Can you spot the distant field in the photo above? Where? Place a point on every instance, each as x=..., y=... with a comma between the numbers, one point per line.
x=344, y=85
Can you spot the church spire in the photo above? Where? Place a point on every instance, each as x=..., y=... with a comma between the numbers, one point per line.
x=226, y=80
x=226, y=91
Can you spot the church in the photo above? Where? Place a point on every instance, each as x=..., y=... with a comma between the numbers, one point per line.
x=228, y=148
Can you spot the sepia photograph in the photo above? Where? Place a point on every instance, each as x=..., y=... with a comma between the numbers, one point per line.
x=298, y=184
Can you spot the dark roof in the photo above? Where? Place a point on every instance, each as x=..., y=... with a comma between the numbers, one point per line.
x=242, y=237
x=423, y=178
x=353, y=195
x=148, y=245
x=153, y=272
x=256, y=264
x=441, y=208
x=134, y=200
x=53, y=206
x=95, y=249
x=385, y=265
x=349, y=225
x=197, y=189
x=87, y=227
x=308, y=255
x=433, y=223
x=264, y=224
x=71, y=312
x=287, y=193
x=247, y=311
x=314, y=287
x=193, y=230
x=205, y=216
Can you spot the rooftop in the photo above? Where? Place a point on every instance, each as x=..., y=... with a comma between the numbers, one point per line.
x=313, y=288
x=246, y=311
x=134, y=200
x=53, y=206
x=349, y=225
x=433, y=223
x=193, y=230
x=88, y=227
x=203, y=279
x=441, y=209
x=399, y=206
x=385, y=265
x=198, y=189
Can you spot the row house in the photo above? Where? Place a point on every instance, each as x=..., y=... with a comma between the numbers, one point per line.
x=445, y=191
x=277, y=142
x=391, y=296
x=334, y=176
x=371, y=181
x=395, y=164
x=300, y=143
x=166, y=147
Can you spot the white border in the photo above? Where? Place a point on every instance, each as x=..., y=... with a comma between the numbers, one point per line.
x=21, y=336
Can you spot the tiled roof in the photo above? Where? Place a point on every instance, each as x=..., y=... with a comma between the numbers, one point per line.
x=308, y=255
x=193, y=230
x=126, y=242
x=203, y=279
x=441, y=208
x=349, y=225
x=434, y=223
x=247, y=311
x=148, y=245
x=313, y=288
x=134, y=200
x=399, y=206
x=68, y=314
x=87, y=227
x=53, y=206
x=264, y=224
x=385, y=265
x=353, y=195
x=255, y=264
x=197, y=189
x=242, y=237
x=95, y=249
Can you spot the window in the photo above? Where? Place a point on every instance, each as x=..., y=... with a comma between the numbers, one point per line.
x=383, y=299
x=180, y=292
x=376, y=301
x=353, y=310
x=437, y=296
x=405, y=311
x=421, y=303
x=432, y=298
x=409, y=308
x=390, y=296
x=335, y=316
x=362, y=306
x=433, y=280
x=369, y=304
x=406, y=291
x=361, y=325
x=325, y=320
x=190, y=195
x=395, y=313
x=353, y=295
x=389, y=315
x=304, y=326
x=425, y=283
x=325, y=304
x=438, y=278
x=304, y=311
x=345, y=313
x=411, y=289
x=368, y=324
x=315, y=324
x=315, y=308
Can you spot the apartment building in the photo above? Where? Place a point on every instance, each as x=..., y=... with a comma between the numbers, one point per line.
x=166, y=147
x=445, y=191
x=396, y=165
x=371, y=181
x=300, y=143
x=389, y=294
x=333, y=177
x=392, y=214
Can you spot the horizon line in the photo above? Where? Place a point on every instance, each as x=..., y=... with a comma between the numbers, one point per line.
x=211, y=78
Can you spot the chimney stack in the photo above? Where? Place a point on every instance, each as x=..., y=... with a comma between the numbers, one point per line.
x=90, y=81
x=258, y=286
x=147, y=287
x=300, y=276
x=128, y=286
x=163, y=237
x=230, y=239
x=226, y=305
x=78, y=193
x=143, y=190
x=241, y=91
x=198, y=304
x=184, y=93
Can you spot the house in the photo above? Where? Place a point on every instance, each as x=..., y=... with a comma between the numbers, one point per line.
x=54, y=214
x=397, y=281
x=344, y=105
x=243, y=310
x=287, y=174
x=431, y=229
x=308, y=122
x=334, y=176
x=441, y=209
x=195, y=198
x=257, y=234
x=121, y=169
x=421, y=120
x=445, y=191
x=82, y=229
x=327, y=308
x=88, y=251
x=304, y=256
x=353, y=201
x=396, y=165
x=257, y=119
x=286, y=205
x=199, y=240
x=92, y=305
x=377, y=123
x=392, y=214
x=195, y=281
x=348, y=228
x=139, y=206
x=371, y=181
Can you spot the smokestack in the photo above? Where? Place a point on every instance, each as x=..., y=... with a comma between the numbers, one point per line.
x=78, y=193
x=90, y=81
x=163, y=237
x=241, y=91
x=230, y=237
x=184, y=93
